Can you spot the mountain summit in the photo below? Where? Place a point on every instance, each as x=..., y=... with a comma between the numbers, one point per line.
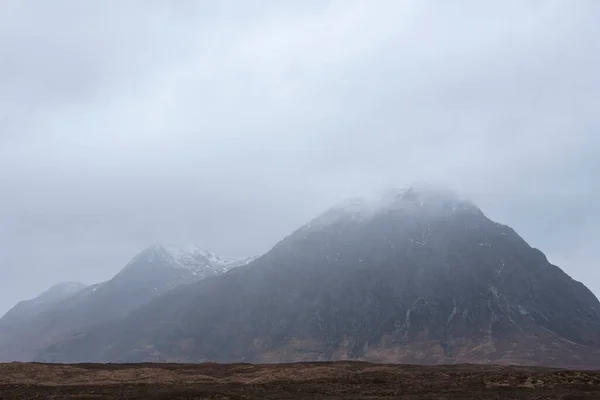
x=412, y=276
x=193, y=259
x=423, y=201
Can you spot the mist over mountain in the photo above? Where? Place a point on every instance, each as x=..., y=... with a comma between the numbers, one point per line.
x=26, y=310
x=416, y=275
x=69, y=307
x=124, y=124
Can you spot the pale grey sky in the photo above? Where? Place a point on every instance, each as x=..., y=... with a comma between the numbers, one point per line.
x=228, y=124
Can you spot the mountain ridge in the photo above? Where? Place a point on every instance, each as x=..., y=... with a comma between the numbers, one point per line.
x=152, y=272
x=25, y=310
x=422, y=278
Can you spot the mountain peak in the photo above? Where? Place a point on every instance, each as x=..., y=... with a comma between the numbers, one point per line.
x=422, y=199
x=186, y=257
x=183, y=253
x=415, y=275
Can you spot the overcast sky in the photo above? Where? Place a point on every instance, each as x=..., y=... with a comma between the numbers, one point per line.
x=228, y=124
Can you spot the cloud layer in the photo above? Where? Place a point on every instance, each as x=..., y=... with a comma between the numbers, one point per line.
x=228, y=124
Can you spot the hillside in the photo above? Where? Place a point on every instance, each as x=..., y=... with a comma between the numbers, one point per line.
x=152, y=272
x=412, y=276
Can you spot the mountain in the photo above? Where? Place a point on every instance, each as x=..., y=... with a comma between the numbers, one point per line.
x=413, y=276
x=28, y=309
x=151, y=273
x=17, y=318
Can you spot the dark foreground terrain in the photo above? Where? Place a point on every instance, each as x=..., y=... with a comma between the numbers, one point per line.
x=340, y=380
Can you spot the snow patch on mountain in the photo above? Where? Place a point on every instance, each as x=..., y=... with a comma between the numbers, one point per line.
x=192, y=258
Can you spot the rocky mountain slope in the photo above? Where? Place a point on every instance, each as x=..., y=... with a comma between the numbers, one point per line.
x=416, y=276
x=151, y=273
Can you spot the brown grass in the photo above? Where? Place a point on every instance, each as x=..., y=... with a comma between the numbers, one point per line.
x=340, y=380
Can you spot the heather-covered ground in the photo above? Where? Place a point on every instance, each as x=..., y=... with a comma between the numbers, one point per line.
x=341, y=380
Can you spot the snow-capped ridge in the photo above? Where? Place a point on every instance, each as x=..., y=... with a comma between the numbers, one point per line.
x=192, y=258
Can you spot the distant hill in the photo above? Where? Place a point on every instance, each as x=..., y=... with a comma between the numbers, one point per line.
x=68, y=308
x=26, y=310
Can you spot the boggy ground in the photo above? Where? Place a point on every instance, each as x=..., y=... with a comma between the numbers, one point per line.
x=339, y=380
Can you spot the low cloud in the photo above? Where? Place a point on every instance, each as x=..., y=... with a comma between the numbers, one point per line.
x=229, y=124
